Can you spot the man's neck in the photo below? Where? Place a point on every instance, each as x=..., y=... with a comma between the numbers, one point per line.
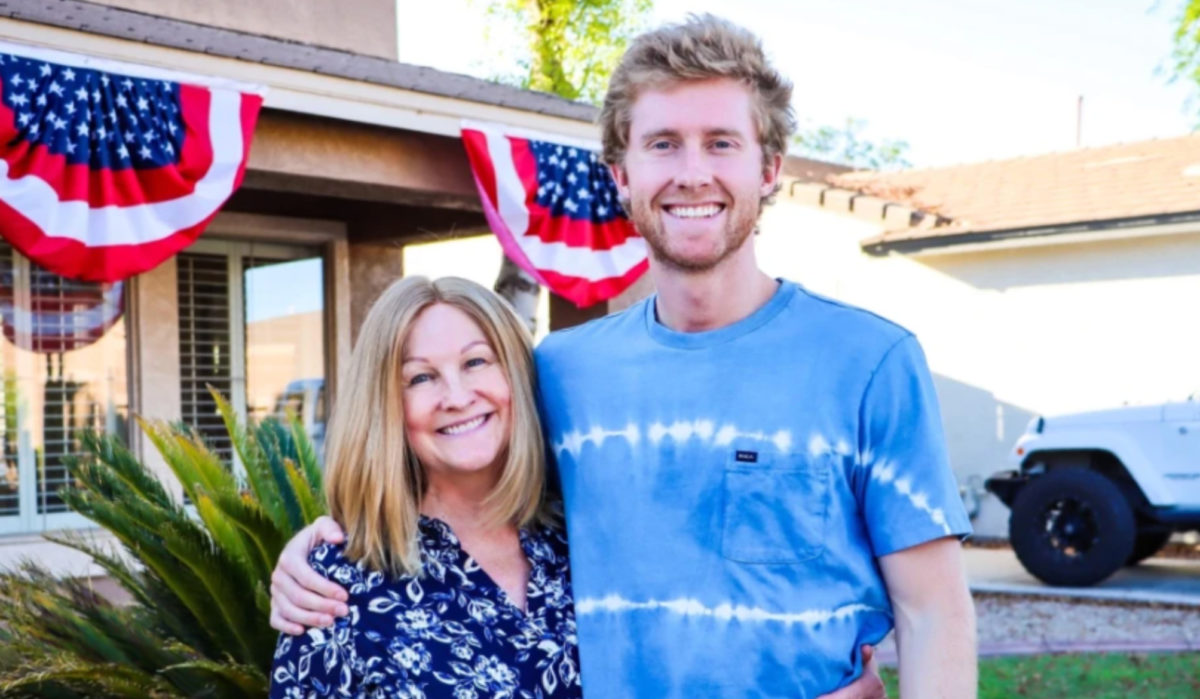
x=697, y=301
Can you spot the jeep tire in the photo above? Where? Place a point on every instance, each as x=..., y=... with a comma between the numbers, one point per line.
x=1147, y=543
x=1072, y=526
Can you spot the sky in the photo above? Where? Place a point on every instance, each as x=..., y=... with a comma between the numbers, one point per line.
x=960, y=80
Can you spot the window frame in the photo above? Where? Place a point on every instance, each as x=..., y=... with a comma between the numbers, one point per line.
x=28, y=521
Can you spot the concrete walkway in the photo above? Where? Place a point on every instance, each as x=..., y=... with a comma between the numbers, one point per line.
x=1157, y=580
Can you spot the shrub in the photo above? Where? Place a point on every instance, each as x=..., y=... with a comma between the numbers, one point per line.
x=198, y=572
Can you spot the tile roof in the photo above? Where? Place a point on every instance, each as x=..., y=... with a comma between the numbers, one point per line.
x=161, y=31
x=1121, y=185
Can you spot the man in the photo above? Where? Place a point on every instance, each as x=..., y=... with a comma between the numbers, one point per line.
x=754, y=476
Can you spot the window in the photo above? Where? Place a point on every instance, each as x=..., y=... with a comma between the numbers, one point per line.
x=251, y=325
x=63, y=366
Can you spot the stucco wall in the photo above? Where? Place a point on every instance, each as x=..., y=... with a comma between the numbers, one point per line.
x=361, y=26
x=373, y=267
x=1011, y=334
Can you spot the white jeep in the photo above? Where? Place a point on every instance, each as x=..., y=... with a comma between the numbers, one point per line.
x=1099, y=490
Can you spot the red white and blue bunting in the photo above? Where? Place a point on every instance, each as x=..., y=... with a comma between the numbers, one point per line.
x=554, y=208
x=107, y=169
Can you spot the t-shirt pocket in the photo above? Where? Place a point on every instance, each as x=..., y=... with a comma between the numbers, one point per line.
x=776, y=507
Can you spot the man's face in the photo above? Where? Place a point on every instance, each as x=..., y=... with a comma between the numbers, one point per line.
x=693, y=177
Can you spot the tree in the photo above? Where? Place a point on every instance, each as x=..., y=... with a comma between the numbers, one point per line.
x=1185, y=50
x=845, y=145
x=198, y=575
x=572, y=47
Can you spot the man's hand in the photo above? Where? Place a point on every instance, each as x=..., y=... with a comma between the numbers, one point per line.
x=867, y=686
x=300, y=597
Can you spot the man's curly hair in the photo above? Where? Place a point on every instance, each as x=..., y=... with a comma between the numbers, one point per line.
x=701, y=48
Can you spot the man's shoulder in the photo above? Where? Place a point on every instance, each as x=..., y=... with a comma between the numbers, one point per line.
x=593, y=335
x=839, y=321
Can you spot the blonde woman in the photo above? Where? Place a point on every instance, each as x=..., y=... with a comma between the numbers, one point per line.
x=456, y=577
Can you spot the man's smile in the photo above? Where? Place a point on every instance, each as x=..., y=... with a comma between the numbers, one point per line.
x=693, y=210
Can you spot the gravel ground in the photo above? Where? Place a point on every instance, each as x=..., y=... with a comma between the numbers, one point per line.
x=1011, y=618
x=1018, y=623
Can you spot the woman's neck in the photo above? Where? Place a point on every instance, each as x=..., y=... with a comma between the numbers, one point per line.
x=460, y=503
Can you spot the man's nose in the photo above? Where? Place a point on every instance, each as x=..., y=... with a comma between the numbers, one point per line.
x=695, y=170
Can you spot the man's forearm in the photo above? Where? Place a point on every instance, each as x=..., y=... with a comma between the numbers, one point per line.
x=936, y=650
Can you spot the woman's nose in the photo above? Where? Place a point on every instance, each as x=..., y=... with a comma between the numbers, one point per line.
x=458, y=393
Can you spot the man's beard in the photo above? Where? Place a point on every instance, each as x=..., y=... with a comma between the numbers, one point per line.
x=739, y=224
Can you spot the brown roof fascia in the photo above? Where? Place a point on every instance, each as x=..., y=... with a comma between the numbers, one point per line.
x=881, y=245
x=160, y=31
x=893, y=215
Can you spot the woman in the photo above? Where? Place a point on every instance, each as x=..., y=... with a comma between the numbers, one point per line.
x=457, y=577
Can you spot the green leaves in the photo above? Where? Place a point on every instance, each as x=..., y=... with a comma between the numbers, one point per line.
x=198, y=573
x=572, y=45
x=845, y=145
x=1184, y=62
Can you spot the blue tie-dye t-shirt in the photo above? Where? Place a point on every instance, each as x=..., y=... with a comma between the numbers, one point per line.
x=728, y=493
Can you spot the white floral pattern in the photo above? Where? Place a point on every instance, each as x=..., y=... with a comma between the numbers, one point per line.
x=450, y=632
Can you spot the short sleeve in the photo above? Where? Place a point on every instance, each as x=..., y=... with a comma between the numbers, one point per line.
x=905, y=486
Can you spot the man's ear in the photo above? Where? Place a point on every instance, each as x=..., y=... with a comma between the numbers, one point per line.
x=621, y=178
x=771, y=172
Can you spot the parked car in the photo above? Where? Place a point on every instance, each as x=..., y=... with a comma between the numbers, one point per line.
x=305, y=398
x=1096, y=491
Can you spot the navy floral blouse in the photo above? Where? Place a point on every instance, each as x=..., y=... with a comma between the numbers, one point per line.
x=451, y=632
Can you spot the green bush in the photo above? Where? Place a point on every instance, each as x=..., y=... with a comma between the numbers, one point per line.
x=198, y=574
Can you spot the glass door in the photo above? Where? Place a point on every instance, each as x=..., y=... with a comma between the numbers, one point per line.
x=252, y=325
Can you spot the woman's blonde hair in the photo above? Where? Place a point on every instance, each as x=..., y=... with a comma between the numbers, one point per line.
x=701, y=48
x=373, y=482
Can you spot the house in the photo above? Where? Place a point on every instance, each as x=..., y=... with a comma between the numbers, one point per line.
x=1039, y=285
x=354, y=157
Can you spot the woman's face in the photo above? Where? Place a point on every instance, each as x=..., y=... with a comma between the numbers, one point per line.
x=457, y=401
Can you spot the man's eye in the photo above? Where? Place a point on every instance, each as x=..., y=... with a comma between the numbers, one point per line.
x=660, y=145
x=722, y=145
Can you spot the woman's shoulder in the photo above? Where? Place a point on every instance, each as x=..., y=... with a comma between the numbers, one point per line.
x=330, y=561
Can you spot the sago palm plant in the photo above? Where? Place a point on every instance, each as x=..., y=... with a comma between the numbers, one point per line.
x=198, y=573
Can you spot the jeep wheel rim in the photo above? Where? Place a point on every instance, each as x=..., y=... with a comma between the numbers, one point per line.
x=1070, y=528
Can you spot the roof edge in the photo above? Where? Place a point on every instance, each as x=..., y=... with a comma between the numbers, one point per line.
x=891, y=214
x=178, y=34
x=1136, y=226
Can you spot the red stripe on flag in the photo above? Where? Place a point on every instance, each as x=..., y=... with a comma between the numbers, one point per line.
x=126, y=186
x=251, y=106
x=579, y=233
x=475, y=142
x=70, y=258
x=584, y=293
x=526, y=166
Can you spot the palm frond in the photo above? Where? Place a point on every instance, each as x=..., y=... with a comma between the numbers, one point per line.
x=198, y=575
x=306, y=454
x=253, y=461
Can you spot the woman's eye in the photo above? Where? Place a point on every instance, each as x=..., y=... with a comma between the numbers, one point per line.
x=419, y=379
x=475, y=361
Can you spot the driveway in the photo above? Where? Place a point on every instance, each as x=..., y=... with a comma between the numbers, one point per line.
x=1165, y=580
